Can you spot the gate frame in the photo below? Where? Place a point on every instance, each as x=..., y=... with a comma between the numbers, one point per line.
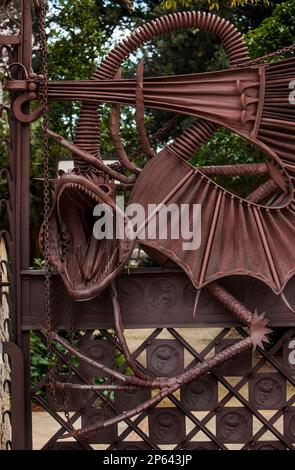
x=19, y=251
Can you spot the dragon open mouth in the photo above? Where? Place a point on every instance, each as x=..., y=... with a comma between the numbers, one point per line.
x=86, y=264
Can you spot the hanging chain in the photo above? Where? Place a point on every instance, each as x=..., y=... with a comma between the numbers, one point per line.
x=42, y=8
x=67, y=393
x=271, y=55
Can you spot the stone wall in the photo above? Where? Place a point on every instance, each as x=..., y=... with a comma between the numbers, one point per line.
x=4, y=366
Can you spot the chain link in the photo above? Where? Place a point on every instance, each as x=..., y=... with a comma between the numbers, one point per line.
x=67, y=393
x=42, y=8
x=271, y=55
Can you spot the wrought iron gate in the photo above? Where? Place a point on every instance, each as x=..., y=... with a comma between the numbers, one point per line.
x=239, y=405
x=246, y=402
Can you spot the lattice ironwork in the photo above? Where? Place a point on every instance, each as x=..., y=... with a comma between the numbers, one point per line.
x=178, y=388
x=250, y=408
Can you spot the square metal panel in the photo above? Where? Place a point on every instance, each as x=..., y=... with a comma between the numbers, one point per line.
x=206, y=300
x=201, y=394
x=65, y=445
x=125, y=400
x=268, y=445
x=289, y=424
x=200, y=446
x=99, y=350
x=94, y=415
x=132, y=293
x=163, y=296
x=165, y=358
x=267, y=391
x=133, y=445
x=166, y=425
x=239, y=366
x=234, y=425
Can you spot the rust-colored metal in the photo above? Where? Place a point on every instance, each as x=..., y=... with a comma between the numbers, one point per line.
x=257, y=323
x=172, y=386
x=232, y=391
x=125, y=379
x=85, y=126
x=240, y=237
x=87, y=265
x=87, y=136
x=241, y=93
x=16, y=235
x=245, y=169
x=120, y=334
x=235, y=98
x=139, y=116
x=255, y=230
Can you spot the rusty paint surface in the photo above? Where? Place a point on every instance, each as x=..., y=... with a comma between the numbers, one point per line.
x=240, y=238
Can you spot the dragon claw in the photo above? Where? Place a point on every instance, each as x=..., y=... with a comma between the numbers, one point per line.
x=258, y=330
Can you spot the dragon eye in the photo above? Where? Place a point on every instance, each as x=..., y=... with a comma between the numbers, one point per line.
x=104, y=188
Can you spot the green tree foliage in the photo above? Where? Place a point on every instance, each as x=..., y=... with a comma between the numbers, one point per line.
x=212, y=4
x=81, y=32
x=76, y=48
x=275, y=32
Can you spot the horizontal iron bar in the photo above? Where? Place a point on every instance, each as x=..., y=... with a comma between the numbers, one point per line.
x=10, y=39
x=92, y=388
x=177, y=312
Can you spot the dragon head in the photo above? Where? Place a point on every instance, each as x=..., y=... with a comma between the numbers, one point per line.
x=86, y=264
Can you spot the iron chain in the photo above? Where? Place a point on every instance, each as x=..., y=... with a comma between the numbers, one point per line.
x=42, y=8
x=258, y=60
x=67, y=395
